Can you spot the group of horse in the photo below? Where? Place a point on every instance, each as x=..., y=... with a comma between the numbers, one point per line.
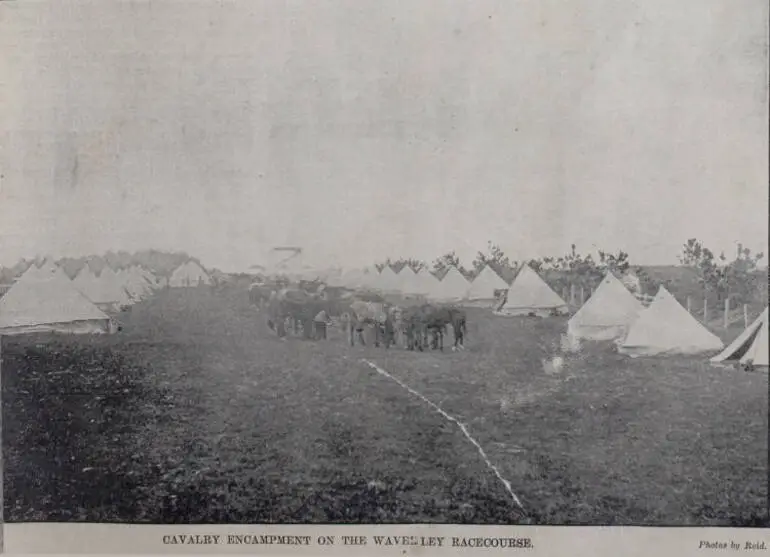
x=417, y=327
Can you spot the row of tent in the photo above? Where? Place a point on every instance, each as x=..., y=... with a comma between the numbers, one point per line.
x=45, y=299
x=527, y=294
x=611, y=313
x=664, y=327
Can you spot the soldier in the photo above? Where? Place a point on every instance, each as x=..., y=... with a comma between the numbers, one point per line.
x=320, y=322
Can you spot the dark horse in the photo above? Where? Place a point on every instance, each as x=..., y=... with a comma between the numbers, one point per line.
x=298, y=306
x=425, y=326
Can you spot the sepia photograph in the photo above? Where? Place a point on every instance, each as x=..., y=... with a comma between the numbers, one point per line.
x=361, y=262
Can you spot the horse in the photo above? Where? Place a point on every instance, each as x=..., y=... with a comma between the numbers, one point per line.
x=295, y=305
x=426, y=325
x=361, y=314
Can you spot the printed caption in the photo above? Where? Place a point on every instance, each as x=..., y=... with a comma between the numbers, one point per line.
x=384, y=541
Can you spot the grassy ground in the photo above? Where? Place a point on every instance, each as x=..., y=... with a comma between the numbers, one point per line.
x=194, y=413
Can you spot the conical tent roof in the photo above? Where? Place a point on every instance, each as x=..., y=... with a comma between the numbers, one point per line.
x=453, y=287
x=530, y=294
x=426, y=282
x=408, y=282
x=608, y=314
x=104, y=289
x=141, y=280
x=189, y=274
x=49, y=303
x=750, y=347
x=148, y=276
x=665, y=327
x=484, y=285
x=46, y=269
x=136, y=286
x=387, y=280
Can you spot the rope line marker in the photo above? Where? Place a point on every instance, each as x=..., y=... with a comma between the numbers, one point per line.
x=462, y=427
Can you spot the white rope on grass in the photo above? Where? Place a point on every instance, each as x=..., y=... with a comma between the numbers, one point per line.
x=462, y=427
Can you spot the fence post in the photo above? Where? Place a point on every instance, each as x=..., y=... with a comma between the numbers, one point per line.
x=745, y=316
x=727, y=313
x=689, y=304
x=705, y=310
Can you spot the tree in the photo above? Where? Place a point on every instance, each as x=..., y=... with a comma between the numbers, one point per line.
x=733, y=279
x=617, y=262
x=450, y=259
x=398, y=264
x=574, y=268
x=382, y=265
x=495, y=257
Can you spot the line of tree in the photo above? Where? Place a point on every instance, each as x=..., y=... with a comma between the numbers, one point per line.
x=161, y=263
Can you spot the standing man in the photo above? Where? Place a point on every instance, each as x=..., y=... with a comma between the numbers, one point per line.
x=320, y=321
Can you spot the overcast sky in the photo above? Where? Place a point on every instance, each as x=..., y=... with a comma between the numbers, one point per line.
x=363, y=129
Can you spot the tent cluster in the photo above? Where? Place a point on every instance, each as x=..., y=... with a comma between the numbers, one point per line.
x=529, y=294
x=44, y=299
x=664, y=327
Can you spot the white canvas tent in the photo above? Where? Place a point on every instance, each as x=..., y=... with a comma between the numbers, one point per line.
x=750, y=347
x=148, y=276
x=134, y=283
x=608, y=314
x=665, y=327
x=530, y=295
x=387, y=280
x=189, y=274
x=426, y=283
x=49, y=302
x=105, y=291
x=485, y=284
x=45, y=270
x=452, y=288
x=408, y=282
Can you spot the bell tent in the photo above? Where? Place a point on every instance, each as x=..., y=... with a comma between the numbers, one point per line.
x=189, y=274
x=452, y=288
x=408, y=281
x=486, y=283
x=530, y=295
x=49, y=302
x=105, y=290
x=750, y=348
x=387, y=280
x=608, y=314
x=426, y=283
x=665, y=327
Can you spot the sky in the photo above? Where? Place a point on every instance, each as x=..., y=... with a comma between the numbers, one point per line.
x=362, y=129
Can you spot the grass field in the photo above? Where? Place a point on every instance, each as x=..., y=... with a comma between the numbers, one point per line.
x=196, y=414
